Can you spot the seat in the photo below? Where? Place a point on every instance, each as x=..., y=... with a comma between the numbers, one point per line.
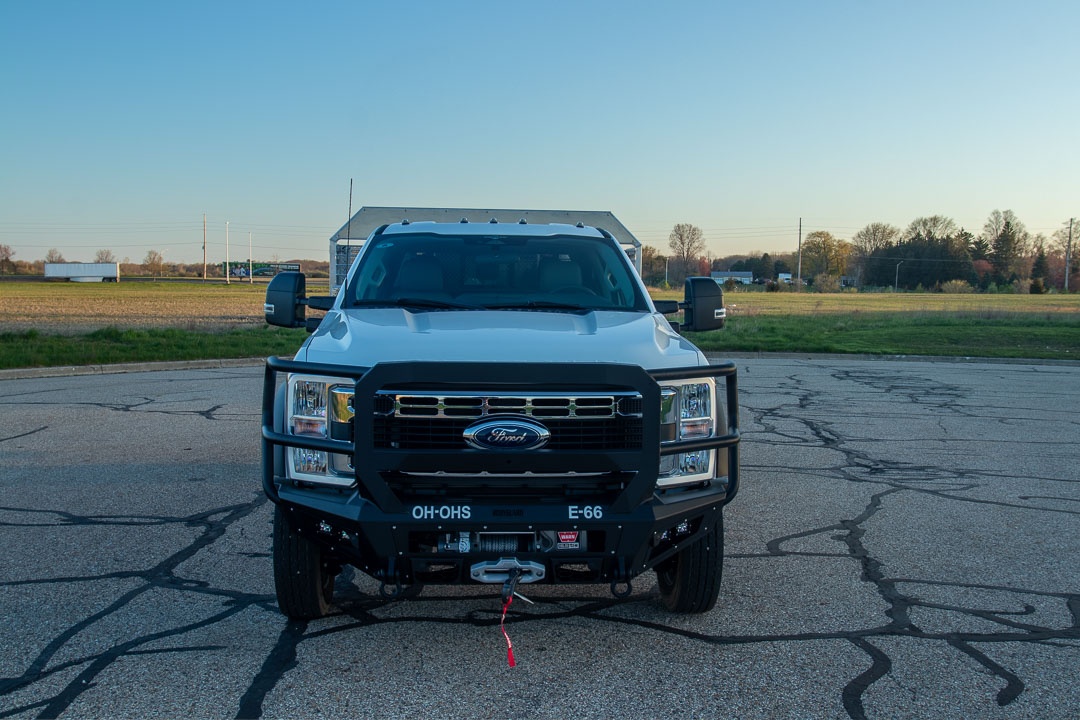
x=559, y=274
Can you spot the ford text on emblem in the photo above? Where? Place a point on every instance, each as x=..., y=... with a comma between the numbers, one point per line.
x=507, y=434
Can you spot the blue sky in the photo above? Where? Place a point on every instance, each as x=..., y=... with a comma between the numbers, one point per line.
x=124, y=122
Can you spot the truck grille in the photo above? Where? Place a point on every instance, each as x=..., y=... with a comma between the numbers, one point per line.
x=422, y=421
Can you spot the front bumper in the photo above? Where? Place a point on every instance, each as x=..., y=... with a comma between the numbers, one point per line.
x=621, y=525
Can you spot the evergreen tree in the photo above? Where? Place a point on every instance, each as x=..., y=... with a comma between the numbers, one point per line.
x=1040, y=268
x=1004, y=250
x=979, y=247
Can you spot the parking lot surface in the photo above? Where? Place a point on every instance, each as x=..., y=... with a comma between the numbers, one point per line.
x=906, y=543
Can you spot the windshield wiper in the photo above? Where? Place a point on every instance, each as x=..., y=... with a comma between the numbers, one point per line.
x=416, y=304
x=541, y=305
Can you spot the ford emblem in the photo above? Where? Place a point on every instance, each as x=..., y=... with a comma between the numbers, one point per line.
x=507, y=434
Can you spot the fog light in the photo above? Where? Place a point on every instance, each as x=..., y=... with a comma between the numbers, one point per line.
x=309, y=461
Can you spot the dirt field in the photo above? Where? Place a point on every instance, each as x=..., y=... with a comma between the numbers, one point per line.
x=76, y=308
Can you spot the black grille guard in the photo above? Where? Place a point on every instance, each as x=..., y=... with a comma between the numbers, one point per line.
x=371, y=462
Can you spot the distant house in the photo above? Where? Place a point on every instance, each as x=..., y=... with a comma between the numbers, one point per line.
x=784, y=278
x=722, y=276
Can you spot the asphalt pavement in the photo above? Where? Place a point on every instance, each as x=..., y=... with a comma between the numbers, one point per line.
x=906, y=543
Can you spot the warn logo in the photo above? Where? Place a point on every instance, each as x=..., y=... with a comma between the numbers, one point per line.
x=568, y=536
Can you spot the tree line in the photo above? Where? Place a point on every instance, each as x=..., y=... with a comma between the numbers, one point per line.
x=153, y=264
x=931, y=253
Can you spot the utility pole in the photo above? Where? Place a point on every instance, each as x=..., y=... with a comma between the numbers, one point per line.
x=1068, y=254
x=799, y=278
x=251, y=278
x=204, y=247
x=896, y=280
x=227, y=268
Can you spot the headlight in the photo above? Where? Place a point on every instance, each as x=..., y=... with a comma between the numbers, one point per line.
x=311, y=407
x=687, y=412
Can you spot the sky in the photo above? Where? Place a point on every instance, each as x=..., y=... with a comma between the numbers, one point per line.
x=123, y=123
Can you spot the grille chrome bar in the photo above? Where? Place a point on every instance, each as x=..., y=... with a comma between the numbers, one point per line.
x=537, y=405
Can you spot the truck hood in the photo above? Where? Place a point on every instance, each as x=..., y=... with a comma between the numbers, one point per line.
x=364, y=337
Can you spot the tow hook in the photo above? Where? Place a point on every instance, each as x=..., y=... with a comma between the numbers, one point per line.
x=624, y=593
x=509, y=588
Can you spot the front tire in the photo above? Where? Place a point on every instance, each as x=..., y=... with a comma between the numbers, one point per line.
x=303, y=572
x=689, y=582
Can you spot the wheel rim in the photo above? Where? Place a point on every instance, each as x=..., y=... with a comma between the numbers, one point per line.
x=665, y=574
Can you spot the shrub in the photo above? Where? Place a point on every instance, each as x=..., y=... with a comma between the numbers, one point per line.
x=826, y=283
x=1037, y=287
x=956, y=287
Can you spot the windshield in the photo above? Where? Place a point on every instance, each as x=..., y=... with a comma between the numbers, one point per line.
x=431, y=272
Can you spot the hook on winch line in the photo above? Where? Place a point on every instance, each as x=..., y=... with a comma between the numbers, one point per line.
x=510, y=586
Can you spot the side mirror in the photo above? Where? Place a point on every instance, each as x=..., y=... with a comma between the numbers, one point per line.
x=704, y=305
x=285, y=302
x=666, y=307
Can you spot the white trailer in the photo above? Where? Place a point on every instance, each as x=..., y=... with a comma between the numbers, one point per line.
x=83, y=272
x=346, y=242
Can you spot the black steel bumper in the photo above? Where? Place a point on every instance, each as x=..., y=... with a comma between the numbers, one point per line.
x=627, y=525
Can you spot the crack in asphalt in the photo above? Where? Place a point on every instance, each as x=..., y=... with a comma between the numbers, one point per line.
x=792, y=423
x=28, y=433
x=213, y=524
x=897, y=604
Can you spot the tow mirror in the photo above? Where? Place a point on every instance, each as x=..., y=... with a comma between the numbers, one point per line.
x=285, y=301
x=703, y=305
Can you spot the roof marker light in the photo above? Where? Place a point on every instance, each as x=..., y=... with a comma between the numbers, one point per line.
x=522, y=221
x=405, y=221
x=464, y=221
x=494, y=221
x=580, y=225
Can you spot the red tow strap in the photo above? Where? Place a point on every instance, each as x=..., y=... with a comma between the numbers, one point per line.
x=502, y=627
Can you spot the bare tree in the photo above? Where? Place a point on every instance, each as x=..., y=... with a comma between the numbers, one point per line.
x=687, y=243
x=653, y=265
x=1066, y=252
x=934, y=226
x=154, y=262
x=1060, y=238
x=995, y=224
x=104, y=256
x=6, y=264
x=874, y=237
x=54, y=256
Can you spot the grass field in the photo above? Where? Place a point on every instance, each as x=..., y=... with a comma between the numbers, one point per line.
x=993, y=326
x=44, y=324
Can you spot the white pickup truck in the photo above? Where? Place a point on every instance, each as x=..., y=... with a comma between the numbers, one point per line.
x=497, y=403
